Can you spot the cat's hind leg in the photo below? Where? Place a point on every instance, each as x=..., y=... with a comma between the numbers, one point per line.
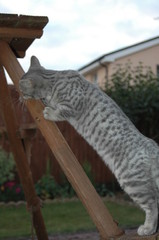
x=151, y=220
x=144, y=195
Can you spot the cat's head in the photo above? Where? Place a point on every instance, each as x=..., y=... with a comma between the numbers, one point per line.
x=38, y=81
x=54, y=88
x=32, y=82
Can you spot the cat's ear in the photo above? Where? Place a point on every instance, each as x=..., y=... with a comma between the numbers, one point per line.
x=34, y=63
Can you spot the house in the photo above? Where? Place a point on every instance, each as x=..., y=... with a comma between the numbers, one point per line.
x=100, y=70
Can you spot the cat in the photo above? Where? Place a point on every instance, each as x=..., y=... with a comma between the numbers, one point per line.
x=132, y=157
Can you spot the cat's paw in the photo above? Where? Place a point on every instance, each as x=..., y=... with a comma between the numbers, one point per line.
x=145, y=230
x=48, y=113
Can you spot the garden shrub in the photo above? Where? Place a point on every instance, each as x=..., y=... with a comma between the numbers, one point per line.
x=9, y=189
x=136, y=91
x=47, y=188
x=7, y=167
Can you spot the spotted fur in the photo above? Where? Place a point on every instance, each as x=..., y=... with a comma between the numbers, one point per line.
x=132, y=157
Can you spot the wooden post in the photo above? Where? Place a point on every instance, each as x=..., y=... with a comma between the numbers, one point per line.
x=20, y=158
x=71, y=167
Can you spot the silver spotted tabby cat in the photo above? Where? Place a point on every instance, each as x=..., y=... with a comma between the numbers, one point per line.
x=132, y=157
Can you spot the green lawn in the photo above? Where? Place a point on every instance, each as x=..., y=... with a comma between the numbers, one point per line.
x=62, y=217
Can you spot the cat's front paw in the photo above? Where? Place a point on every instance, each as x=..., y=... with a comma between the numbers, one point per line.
x=48, y=113
x=145, y=230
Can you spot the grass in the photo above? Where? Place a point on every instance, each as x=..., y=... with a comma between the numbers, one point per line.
x=62, y=217
x=126, y=215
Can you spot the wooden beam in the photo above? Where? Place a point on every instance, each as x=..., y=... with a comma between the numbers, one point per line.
x=71, y=167
x=6, y=32
x=20, y=157
x=21, y=31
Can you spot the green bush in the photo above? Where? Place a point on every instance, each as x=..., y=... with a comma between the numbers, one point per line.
x=47, y=188
x=136, y=91
x=9, y=189
x=103, y=190
x=7, y=167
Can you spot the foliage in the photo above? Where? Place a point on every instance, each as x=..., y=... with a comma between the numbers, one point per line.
x=48, y=188
x=11, y=191
x=7, y=167
x=103, y=190
x=136, y=91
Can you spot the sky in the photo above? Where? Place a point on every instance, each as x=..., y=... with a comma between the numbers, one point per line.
x=79, y=31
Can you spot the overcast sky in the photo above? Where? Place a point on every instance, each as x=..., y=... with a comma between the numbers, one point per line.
x=81, y=30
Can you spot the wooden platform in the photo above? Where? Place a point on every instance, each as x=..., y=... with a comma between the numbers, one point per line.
x=19, y=31
x=132, y=235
